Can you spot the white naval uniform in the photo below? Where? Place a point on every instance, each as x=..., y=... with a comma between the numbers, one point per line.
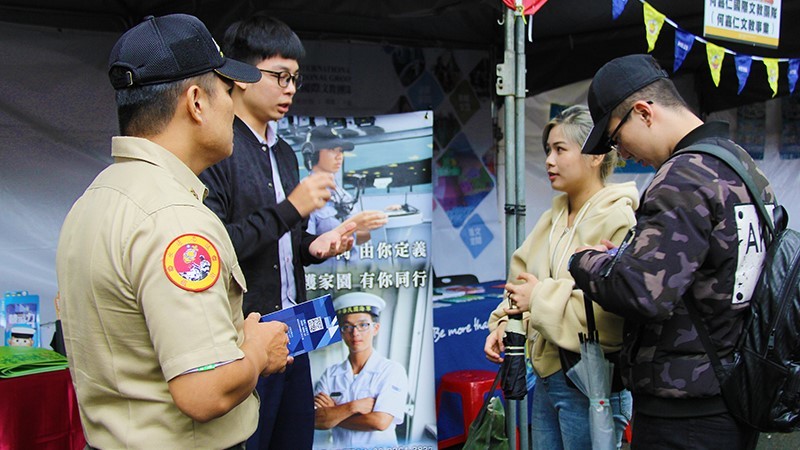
x=382, y=379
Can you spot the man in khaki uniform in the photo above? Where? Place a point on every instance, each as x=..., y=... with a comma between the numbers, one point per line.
x=151, y=290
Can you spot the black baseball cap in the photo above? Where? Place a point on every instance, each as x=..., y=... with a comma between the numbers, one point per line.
x=611, y=85
x=171, y=48
x=328, y=137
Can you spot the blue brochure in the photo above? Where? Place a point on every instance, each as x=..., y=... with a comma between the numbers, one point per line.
x=312, y=324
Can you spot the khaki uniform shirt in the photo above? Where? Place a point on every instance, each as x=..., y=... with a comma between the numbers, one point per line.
x=150, y=288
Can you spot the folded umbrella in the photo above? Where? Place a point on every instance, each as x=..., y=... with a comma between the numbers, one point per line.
x=592, y=375
x=513, y=370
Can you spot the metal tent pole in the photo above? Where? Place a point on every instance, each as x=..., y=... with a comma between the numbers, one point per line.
x=505, y=88
x=519, y=185
x=519, y=127
x=511, y=85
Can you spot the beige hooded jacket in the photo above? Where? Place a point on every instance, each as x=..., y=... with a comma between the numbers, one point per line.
x=557, y=312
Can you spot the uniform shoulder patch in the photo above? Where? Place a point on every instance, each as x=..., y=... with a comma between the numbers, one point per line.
x=192, y=262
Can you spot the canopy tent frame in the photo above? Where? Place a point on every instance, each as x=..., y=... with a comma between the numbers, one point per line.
x=510, y=86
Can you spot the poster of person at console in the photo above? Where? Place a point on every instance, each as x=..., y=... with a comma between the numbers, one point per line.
x=380, y=378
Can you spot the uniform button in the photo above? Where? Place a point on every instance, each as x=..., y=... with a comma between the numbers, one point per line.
x=275, y=267
x=264, y=147
x=277, y=307
x=270, y=185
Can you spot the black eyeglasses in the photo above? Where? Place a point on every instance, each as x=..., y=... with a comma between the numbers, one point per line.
x=285, y=77
x=612, y=138
x=361, y=327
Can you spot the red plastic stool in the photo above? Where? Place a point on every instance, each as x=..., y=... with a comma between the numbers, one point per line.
x=471, y=385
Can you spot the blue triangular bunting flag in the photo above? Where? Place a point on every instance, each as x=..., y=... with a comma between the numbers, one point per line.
x=617, y=6
x=683, y=45
x=794, y=64
x=743, y=63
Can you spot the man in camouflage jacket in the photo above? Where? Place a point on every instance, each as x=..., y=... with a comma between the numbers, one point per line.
x=697, y=239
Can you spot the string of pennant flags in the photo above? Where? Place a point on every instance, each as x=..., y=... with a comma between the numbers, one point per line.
x=655, y=20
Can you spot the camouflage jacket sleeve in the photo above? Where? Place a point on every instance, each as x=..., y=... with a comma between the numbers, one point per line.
x=648, y=277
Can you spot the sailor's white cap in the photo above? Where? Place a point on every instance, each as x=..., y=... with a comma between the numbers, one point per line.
x=358, y=302
x=22, y=332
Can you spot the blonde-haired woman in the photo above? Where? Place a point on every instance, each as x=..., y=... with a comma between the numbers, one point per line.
x=587, y=211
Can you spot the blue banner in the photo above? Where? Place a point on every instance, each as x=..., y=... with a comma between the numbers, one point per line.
x=617, y=7
x=382, y=165
x=792, y=75
x=683, y=45
x=743, y=63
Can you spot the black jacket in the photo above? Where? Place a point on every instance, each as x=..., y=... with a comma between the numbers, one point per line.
x=686, y=248
x=242, y=194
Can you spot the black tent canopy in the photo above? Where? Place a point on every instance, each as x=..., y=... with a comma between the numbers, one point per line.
x=571, y=38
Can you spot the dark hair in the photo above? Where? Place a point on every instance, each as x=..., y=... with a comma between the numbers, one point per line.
x=259, y=37
x=146, y=110
x=662, y=91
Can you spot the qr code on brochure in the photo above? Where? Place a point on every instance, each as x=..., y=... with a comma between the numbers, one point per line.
x=315, y=324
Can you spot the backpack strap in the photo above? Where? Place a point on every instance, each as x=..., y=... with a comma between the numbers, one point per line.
x=734, y=163
x=726, y=156
x=702, y=333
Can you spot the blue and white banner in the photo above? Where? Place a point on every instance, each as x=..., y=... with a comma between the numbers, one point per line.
x=364, y=80
x=386, y=167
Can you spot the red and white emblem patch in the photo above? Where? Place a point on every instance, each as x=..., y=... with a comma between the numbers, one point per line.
x=191, y=262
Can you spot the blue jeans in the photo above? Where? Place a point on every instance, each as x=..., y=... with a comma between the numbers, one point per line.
x=560, y=415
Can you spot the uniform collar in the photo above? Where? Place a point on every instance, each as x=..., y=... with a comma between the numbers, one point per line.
x=370, y=366
x=129, y=147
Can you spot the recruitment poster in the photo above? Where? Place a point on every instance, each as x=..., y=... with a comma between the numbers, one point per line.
x=383, y=164
x=356, y=79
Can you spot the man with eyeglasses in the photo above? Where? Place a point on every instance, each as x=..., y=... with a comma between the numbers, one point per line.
x=363, y=398
x=257, y=194
x=696, y=241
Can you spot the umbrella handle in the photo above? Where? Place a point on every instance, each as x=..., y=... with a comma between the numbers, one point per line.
x=590, y=323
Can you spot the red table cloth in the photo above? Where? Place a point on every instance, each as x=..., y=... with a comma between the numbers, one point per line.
x=40, y=412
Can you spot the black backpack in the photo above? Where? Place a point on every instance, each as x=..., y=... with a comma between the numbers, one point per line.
x=762, y=386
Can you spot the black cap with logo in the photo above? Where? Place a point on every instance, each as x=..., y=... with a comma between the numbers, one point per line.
x=611, y=85
x=171, y=48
